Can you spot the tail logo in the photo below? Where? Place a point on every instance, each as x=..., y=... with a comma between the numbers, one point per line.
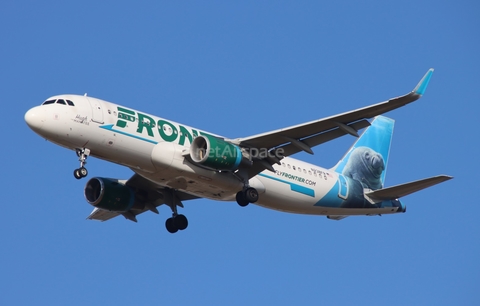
x=366, y=166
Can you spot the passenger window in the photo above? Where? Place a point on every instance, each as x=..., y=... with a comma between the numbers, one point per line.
x=49, y=102
x=60, y=101
x=309, y=172
x=147, y=122
x=288, y=166
x=70, y=103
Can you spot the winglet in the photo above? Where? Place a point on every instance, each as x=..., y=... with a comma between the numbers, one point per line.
x=422, y=85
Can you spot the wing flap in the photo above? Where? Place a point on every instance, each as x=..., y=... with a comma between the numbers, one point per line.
x=336, y=217
x=398, y=191
x=102, y=215
x=315, y=140
x=277, y=137
x=290, y=149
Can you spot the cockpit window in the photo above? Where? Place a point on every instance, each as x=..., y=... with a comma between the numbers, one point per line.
x=59, y=101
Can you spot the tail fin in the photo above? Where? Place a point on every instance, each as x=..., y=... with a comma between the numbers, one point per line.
x=367, y=159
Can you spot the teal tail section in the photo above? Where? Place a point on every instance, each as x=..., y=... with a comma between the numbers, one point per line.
x=367, y=159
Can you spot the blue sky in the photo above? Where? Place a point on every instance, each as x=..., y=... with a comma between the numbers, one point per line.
x=238, y=69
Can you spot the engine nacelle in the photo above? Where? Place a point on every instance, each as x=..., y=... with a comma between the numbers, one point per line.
x=215, y=153
x=109, y=194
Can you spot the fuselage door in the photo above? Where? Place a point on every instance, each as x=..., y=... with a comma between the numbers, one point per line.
x=97, y=111
x=342, y=187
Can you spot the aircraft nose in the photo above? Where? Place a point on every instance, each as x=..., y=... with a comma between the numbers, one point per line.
x=35, y=117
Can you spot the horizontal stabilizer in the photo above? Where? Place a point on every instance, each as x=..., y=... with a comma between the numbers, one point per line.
x=395, y=192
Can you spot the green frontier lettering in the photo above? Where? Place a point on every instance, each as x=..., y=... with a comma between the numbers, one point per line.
x=167, y=130
x=185, y=133
x=124, y=114
x=162, y=128
x=146, y=122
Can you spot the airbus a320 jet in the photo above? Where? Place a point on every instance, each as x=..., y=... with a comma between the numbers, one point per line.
x=174, y=163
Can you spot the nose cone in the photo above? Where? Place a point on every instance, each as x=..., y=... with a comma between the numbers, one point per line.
x=35, y=118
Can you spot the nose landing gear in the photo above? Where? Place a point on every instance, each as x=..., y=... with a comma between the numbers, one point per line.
x=82, y=157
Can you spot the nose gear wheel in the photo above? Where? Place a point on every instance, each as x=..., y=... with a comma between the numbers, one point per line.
x=80, y=172
x=82, y=158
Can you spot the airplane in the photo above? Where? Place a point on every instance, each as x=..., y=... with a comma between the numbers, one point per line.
x=174, y=163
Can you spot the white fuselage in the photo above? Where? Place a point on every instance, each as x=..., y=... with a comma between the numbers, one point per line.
x=156, y=149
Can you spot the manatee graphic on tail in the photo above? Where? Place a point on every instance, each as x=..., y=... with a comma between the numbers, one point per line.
x=365, y=166
x=367, y=159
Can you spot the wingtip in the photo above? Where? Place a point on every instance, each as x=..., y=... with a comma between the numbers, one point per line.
x=422, y=85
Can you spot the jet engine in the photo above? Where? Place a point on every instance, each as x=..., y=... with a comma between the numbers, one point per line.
x=215, y=153
x=109, y=194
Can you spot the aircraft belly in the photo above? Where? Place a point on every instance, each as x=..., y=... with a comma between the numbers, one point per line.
x=216, y=186
x=135, y=155
x=331, y=195
x=174, y=171
x=288, y=195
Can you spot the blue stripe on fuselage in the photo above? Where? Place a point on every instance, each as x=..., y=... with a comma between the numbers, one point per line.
x=294, y=187
x=331, y=199
x=110, y=128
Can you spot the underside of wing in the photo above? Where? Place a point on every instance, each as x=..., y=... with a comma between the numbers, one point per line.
x=148, y=196
x=340, y=122
x=303, y=137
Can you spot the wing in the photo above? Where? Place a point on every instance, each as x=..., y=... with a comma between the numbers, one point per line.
x=304, y=136
x=148, y=193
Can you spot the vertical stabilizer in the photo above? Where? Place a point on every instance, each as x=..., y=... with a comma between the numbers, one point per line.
x=367, y=159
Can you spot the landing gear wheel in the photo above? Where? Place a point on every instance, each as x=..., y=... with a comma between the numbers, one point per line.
x=83, y=171
x=171, y=226
x=82, y=158
x=181, y=222
x=76, y=174
x=241, y=200
x=80, y=172
x=251, y=195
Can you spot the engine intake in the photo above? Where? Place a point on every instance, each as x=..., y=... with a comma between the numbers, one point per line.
x=109, y=194
x=215, y=153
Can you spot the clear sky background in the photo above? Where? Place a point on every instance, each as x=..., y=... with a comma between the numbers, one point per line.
x=237, y=69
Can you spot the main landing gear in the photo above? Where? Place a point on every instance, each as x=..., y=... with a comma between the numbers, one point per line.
x=177, y=222
x=246, y=196
x=82, y=157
